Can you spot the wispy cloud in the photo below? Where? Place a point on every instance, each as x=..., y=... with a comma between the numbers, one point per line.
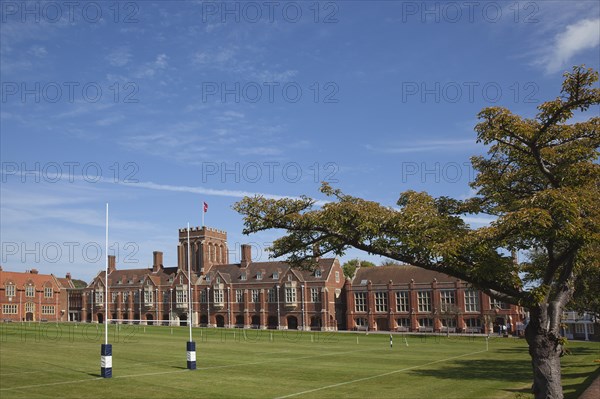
x=119, y=57
x=150, y=69
x=422, y=146
x=576, y=38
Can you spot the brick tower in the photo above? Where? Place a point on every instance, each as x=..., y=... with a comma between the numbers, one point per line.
x=208, y=247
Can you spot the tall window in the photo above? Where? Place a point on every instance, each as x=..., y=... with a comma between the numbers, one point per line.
x=100, y=296
x=447, y=300
x=381, y=301
x=337, y=277
x=471, y=300
x=48, y=292
x=182, y=295
x=272, y=295
x=203, y=296
x=218, y=296
x=148, y=295
x=30, y=307
x=254, y=296
x=290, y=295
x=424, y=301
x=314, y=295
x=10, y=290
x=30, y=291
x=113, y=297
x=360, y=301
x=239, y=296
x=402, y=301
x=125, y=296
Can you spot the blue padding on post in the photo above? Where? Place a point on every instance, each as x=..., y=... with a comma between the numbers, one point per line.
x=106, y=350
x=106, y=360
x=191, y=346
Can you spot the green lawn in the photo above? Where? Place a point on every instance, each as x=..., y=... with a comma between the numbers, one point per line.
x=46, y=361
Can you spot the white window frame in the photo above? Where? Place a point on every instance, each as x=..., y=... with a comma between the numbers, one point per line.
x=471, y=300
x=360, y=301
x=381, y=301
x=290, y=295
x=314, y=295
x=424, y=301
x=402, y=301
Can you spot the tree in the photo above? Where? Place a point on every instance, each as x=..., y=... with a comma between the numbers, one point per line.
x=540, y=180
x=350, y=267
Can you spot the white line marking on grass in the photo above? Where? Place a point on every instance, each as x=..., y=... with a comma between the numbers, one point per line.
x=173, y=371
x=20, y=372
x=375, y=376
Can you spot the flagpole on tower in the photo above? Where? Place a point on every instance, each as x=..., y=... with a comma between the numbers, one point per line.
x=203, y=211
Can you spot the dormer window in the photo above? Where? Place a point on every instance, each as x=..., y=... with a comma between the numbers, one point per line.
x=208, y=278
x=275, y=275
x=10, y=290
x=30, y=291
x=259, y=276
x=318, y=273
x=243, y=277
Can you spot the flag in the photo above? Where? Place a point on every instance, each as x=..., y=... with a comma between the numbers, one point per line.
x=205, y=208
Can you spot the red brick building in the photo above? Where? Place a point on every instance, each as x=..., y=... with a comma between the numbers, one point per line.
x=31, y=296
x=246, y=294
x=408, y=298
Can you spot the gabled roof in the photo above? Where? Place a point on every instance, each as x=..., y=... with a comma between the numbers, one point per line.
x=398, y=274
x=232, y=272
x=21, y=279
x=132, y=277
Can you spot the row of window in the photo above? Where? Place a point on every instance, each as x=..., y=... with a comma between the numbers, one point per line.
x=181, y=295
x=424, y=302
x=29, y=308
x=29, y=291
x=275, y=276
x=426, y=322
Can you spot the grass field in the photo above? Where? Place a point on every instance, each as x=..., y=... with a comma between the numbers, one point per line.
x=51, y=361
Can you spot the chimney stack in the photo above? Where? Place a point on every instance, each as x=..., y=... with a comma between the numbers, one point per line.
x=112, y=266
x=246, y=255
x=157, y=263
x=68, y=276
x=34, y=271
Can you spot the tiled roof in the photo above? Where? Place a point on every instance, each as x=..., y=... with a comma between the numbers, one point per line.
x=233, y=272
x=21, y=279
x=398, y=274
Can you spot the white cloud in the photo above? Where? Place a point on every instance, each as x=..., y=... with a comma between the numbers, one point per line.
x=422, y=146
x=580, y=36
x=119, y=57
x=38, y=51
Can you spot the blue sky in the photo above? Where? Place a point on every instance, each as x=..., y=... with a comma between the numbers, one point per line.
x=156, y=107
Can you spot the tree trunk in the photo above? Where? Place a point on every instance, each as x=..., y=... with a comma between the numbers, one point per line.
x=545, y=348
